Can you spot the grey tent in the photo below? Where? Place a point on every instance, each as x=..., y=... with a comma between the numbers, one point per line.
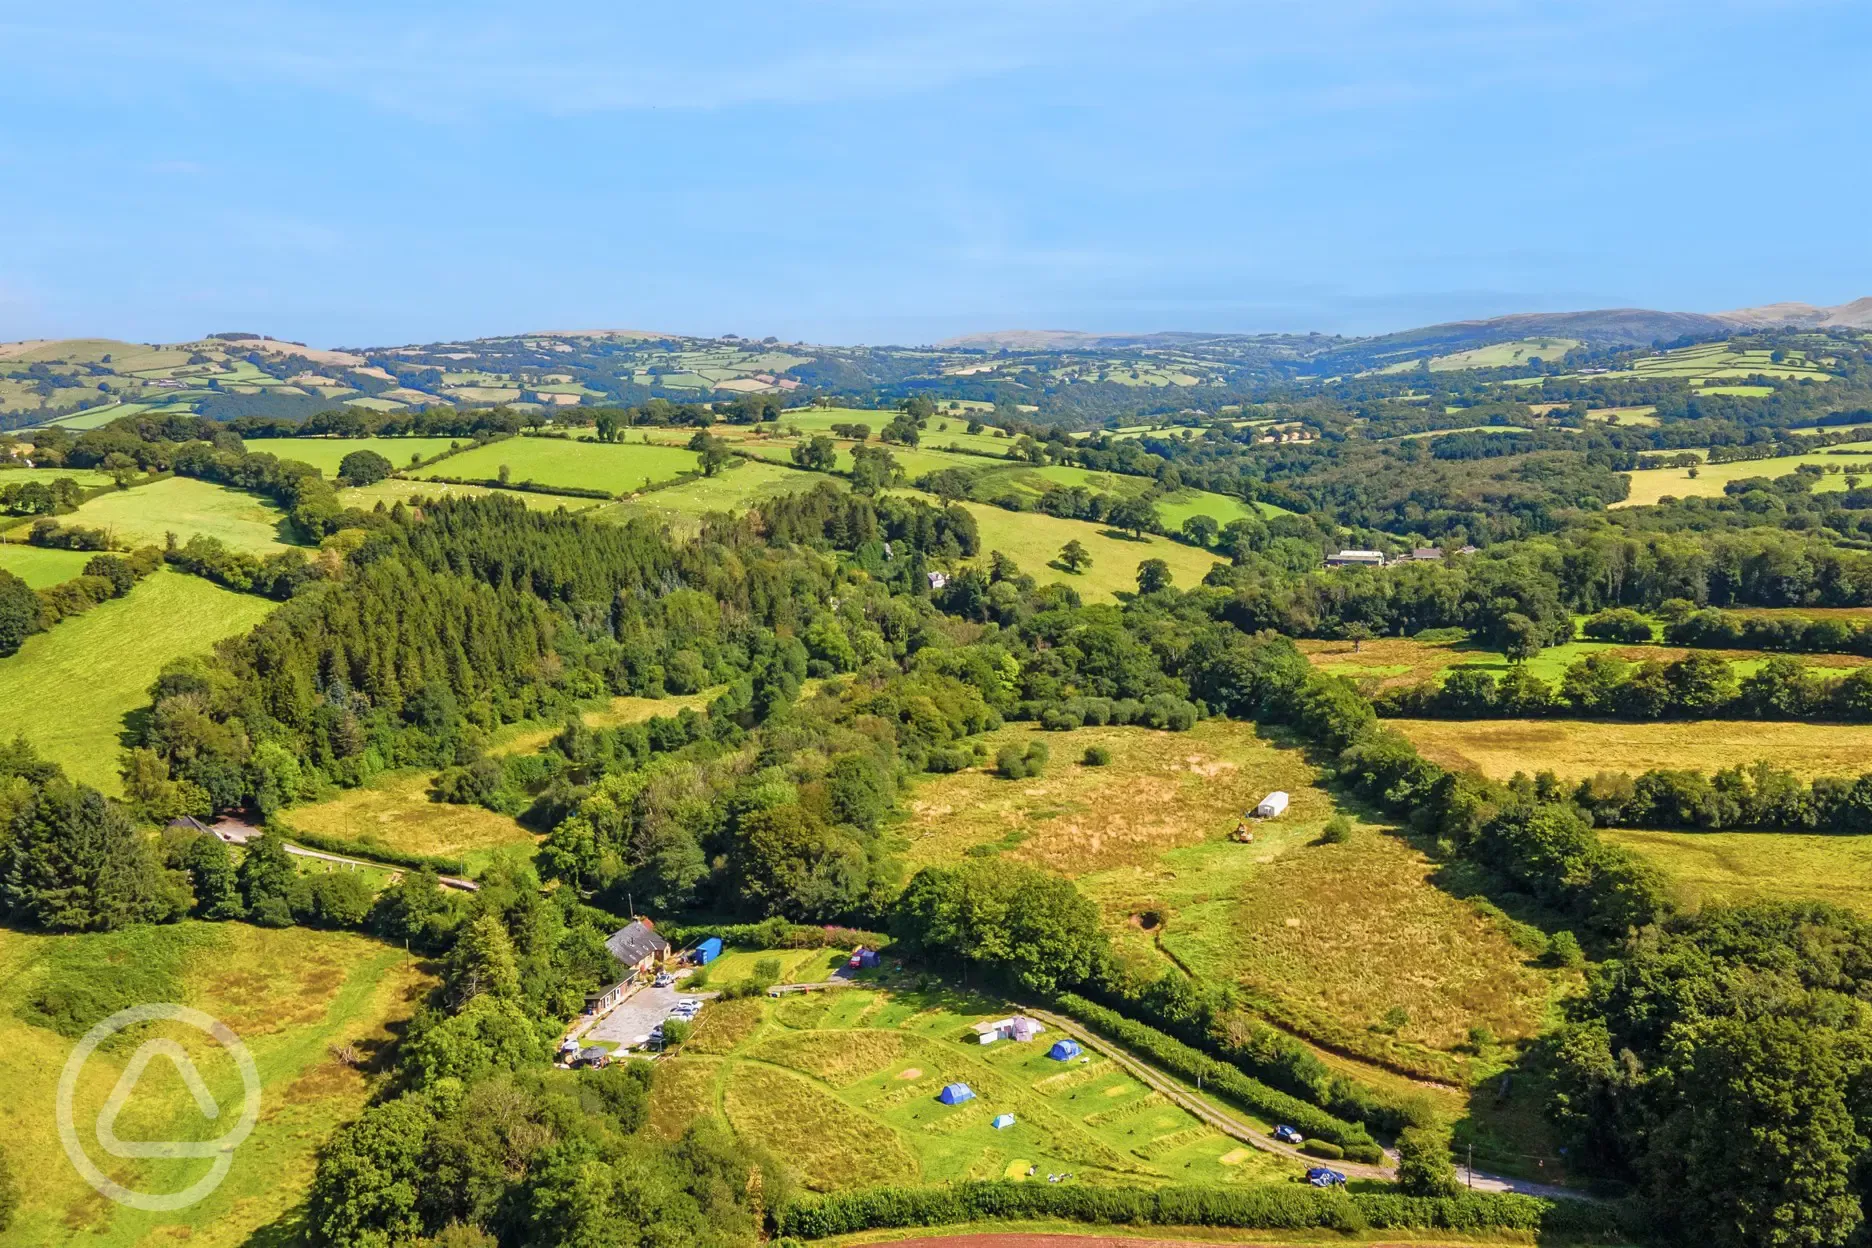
x=956, y=1093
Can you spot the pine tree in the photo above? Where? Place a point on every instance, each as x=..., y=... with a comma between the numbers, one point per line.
x=75, y=862
x=217, y=886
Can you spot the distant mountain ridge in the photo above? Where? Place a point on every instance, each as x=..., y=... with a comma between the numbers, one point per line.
x=1632, y=327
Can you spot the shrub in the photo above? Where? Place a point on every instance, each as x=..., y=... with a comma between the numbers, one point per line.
x=1096, y=756
x=676, y=1030
x=1563, y=949
x=1338, y=830
x=1424, y=1166
x=1322, y=1148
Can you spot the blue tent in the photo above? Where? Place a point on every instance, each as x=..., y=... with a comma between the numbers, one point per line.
x=1003, y=1121
x=956, y=1093
x=1064, y=1050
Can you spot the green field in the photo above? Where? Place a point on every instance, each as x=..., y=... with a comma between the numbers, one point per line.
x=1709, y=868
x=1033, y=540
x=142, y=516
x=69, y=688
x=292, y=996
x=394, y=490
x=734, y=489
x=1504, y=354
x=620, y=468
x=39, y=567
x=843, y=1086
x=394, y=811
x=1648, y=485
x=87, y=478
x=326, y=453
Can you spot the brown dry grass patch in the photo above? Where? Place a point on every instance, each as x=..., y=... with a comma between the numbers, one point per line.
x=1161, y=790
x=1575, y=749
x=396, y=810
x=838, y=1057
x=684, y=1090
x=830, y=1144
x=724, y=1025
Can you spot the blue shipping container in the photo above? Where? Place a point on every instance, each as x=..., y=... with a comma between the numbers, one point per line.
x=708, y=951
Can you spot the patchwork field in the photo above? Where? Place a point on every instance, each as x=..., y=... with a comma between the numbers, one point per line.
x=843, y=1086
x=39, y=567
x=69, y=689
x=325, y=454
x=293, y=996
x=394, y=811
x=144, y=515
x=1295, y=923
x=1710, y=868
x=616, y=468
x=1575, y=749
x=1648, y=485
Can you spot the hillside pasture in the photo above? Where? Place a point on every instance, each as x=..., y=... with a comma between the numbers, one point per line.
x=325, y=454
x=1575, y=749
x=1648, y=485
x=144, y=515
x=394, y=490
x=39, y=566
x=1504, y=354
x=69, y=689
x=736, y=488
x=620, y=468
x=1732, y=868
x=293, y=996
x=1033, y=540
x=87, y=478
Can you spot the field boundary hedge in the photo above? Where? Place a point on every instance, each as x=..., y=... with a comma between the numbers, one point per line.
x=1191, y=1063
x=1268, y=1207
x=371, y=851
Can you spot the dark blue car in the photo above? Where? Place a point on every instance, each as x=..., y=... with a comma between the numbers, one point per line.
x=1287, y=1135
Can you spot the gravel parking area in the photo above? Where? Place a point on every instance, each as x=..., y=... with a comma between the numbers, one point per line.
x=629, y=1025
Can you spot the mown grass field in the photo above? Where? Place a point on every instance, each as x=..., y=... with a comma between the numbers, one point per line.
x=1330, y=939
x=326, y=454
x=143, y=515
x=291, y=996
x=1648, y=485
x=1713, y=868
x=617, y=468
x=88, y=478
x=69, y=688
x=1406, y=661
x=735, y=489
x=1575, y=749
x=394, y=811
x=842, y=1085
x=39, y=566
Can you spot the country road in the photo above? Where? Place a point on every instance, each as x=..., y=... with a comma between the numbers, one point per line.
x=1221, y=1120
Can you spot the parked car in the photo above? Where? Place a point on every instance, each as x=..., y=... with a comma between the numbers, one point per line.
x=1287, y=1135
x=1320, y=1176
x=665, y=980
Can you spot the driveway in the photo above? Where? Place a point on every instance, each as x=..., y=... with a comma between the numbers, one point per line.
x=629, y=1024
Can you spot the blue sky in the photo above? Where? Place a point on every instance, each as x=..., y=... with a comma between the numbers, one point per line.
x=368, y=173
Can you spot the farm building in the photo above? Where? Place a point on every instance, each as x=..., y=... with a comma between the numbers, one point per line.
x=1019, y=1027
x=1356, y=558
x=602, y=1000
x=1272, y=806
x=706, y=952
x=1002, y=1122
x=638, y=946
x=955, y=1094
x=1064, y=1050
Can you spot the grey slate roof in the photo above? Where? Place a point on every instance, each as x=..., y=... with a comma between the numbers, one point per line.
x=632, y=944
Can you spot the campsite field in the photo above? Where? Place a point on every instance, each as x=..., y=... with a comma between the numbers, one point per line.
x=1648, y=485
x=616, y=468
x=843, y=1086
x=1574, y=749
x=394, y=811
x=143, y=515
x=326, y=454
x=1734, y=867
x=1290, y=921
x=39, y=566
x=293, y=996
x=69, y=689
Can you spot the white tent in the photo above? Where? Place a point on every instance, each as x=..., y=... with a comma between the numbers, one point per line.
x=1272, y=805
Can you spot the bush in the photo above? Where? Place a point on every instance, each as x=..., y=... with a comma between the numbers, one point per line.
x=1424, y=1165
x=1563, y=949
x=1096, y=756
x=1323, y=1148
x=1338, y=830
x=1015, y=763
x=676, y=1030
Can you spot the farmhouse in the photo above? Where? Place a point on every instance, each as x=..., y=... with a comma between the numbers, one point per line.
x=602, y=1000
x=638, y=946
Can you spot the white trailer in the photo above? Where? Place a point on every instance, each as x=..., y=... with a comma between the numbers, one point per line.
x=1273, y=805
